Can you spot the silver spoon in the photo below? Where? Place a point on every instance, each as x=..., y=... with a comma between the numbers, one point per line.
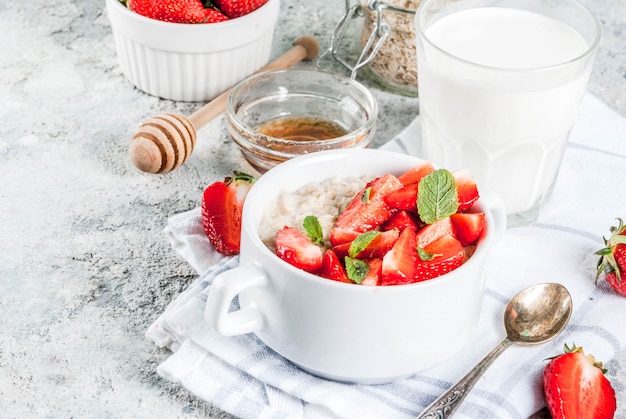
x=535, y=315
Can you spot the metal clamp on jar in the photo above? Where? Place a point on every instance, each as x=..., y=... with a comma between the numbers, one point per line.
x=387, y=42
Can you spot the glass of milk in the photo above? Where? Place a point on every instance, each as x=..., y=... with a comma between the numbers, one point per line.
x=500, y=83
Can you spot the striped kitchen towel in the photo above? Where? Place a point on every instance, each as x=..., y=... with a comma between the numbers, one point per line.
x=242, y=376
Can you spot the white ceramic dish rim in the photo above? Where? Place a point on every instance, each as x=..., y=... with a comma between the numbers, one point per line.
x=192, y=37
x=274, y=175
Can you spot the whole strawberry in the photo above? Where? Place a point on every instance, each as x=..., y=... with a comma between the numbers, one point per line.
x=237, y=8
x=613, y=258
x=222, y=207
x=575, y=387
x=176, y=11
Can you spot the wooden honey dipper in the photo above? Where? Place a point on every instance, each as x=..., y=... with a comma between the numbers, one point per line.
x=164, y=142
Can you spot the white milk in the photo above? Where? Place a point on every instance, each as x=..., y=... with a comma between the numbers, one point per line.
x=508, y=126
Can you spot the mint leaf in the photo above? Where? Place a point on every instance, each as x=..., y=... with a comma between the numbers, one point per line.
x=356, y=269
x=313, y=229
x=437, y=196
x=361, y=242
x=365, y=196
x=425, y=256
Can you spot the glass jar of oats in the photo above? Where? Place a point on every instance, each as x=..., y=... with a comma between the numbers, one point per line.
x=394, y=66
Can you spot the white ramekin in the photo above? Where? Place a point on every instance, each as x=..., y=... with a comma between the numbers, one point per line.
x=191, y=62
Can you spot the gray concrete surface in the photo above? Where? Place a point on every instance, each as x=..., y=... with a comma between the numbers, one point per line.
x=84, y=266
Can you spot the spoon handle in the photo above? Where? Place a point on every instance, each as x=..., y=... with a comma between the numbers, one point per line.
x=449, y=401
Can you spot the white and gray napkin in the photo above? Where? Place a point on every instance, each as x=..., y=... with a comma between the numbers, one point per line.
x=244, y=377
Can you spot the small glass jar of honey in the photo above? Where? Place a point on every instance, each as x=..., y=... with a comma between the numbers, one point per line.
x=277, y=115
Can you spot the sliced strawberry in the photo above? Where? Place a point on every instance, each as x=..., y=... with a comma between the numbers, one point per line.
x=380, y=245
x=295, y=248
x=415, y=174
x=447, y=254
x=366, y=211
x=402, y=220
x=221, y=209
x=468, y=226
x=341, y=250
x=332, y=267
x=374, y=274
x=432, y=232
x=237, y=8
x=467, y=189
x=575, y=387
x=377, y=248
x=404, y=198
x=399, y=263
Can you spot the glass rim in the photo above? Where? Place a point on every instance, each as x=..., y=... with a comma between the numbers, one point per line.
x=591, y=48
x=367, y=102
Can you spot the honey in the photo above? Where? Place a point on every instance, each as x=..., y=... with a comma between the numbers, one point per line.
x=301, y=128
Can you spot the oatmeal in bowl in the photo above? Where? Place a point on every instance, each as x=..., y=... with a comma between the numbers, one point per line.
x=324, y=200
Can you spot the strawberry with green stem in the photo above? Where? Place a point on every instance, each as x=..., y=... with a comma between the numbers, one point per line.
x=575, y=386
x=221, y=211
x=613, y=258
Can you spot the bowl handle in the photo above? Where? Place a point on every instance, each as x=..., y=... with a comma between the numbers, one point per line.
x=224, y=289
x=498, y=213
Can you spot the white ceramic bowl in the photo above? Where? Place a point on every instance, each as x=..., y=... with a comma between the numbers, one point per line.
x=191, y=62
x=347, y=332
